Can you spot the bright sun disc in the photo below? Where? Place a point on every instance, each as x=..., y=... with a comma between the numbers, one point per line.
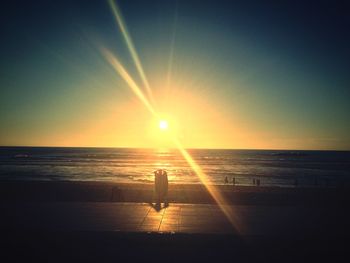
x=163, y=125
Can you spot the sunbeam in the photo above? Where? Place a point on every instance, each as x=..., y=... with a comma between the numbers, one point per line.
x=119, y=19
x=212, y=189
x=171, y=53
x=128, y=79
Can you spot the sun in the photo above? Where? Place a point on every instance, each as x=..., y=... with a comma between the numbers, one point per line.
x=163, y=125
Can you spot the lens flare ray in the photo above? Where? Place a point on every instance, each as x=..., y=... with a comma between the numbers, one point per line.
x=214, y=192
x=128, y=79
x=119, y=19
x=171, y=53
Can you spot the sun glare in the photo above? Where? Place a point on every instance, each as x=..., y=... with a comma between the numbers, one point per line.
x=163, y=125
x=147, y=100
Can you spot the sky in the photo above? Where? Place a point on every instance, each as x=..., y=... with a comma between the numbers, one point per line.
x=224, y=74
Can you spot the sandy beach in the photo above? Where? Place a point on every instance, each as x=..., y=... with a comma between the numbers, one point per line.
x=178, y=193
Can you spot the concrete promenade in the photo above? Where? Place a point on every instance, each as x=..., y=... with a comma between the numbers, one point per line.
x=176, y=218
x=136, y=232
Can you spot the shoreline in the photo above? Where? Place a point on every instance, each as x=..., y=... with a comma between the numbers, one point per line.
x=97, y=191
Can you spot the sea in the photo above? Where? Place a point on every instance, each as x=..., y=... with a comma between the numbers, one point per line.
x=281, y=168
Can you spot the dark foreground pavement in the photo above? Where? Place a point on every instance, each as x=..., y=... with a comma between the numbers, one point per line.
x=104, y=231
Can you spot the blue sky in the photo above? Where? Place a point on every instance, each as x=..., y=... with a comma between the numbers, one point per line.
x=274, y=74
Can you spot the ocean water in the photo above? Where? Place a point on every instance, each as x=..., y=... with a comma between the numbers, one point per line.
x=273, y=168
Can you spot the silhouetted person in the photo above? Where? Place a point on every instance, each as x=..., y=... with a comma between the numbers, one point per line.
x=226, y=180
x=234, y=180
x=161, y=186
x=254, y=181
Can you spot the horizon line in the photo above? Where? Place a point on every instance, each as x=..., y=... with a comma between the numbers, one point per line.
x=171, y=148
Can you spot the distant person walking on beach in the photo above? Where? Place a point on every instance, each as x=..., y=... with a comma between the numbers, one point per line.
x=161, y=186
x=226, y=180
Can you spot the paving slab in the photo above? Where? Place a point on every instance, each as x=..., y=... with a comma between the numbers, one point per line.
x=175, y=218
